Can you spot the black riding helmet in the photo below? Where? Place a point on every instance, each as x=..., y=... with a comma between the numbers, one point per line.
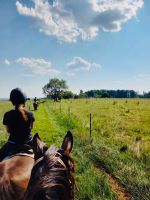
x=17, y=97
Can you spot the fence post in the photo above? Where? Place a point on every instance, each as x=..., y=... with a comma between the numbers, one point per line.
x=90, y=124
x=60, y=107
x=69, y=111
x=69, y=118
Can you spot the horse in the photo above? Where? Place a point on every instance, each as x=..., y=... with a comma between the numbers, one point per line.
x=35, y=105
x=52, y=174
x=15, y=173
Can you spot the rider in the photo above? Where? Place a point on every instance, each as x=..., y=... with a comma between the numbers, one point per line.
x=18, y=122
x=35, y=100
x=35, y=103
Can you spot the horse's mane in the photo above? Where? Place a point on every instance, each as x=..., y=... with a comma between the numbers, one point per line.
x=55, y=178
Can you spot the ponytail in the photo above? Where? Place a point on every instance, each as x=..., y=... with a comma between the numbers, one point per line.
x=20, y=108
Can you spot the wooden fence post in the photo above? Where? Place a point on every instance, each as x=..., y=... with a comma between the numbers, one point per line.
x=60, y=107
x=69, y=118
x=90, y=124
x=69, y=111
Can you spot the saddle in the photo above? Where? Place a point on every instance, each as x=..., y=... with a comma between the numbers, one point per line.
x=20, y=150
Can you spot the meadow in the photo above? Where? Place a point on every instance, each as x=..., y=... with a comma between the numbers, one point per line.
x=114, y=147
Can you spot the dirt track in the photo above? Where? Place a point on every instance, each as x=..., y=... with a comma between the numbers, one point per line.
x=116, y=187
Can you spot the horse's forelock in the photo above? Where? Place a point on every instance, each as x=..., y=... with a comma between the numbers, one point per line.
x=53, y=153
x=52, y=150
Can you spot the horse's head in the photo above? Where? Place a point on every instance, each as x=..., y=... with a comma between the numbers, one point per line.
x=52, y=171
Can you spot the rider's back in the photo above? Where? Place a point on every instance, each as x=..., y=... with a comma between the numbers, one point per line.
x=19, y=129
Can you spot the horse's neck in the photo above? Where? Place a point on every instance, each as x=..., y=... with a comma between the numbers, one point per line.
x=36, y=193
x=56, y=193
x=39, y=190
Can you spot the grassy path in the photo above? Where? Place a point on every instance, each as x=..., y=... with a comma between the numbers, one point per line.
x=52, y=128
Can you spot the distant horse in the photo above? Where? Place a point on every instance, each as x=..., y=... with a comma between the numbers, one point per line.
x=51, y=177
x=14, y=176
x=35, y=105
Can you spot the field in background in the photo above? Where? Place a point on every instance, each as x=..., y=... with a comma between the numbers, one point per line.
x=119, y=142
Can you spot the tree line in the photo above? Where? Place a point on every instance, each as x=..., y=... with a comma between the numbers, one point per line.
x=57, y=89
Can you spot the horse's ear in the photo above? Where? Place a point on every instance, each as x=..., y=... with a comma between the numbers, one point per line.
x=39, y=147
x=67, y=143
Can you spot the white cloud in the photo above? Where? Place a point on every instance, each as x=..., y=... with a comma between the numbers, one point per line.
x=69, y=20
x=6, y=62
x=38, y=66
x=80, y=64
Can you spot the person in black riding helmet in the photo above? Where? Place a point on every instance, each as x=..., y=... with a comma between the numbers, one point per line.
x=18, y=122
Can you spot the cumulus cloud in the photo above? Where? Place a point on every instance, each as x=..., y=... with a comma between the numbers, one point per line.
x=73, y=19
x=38, y=66
x=6, y=62
x=80, y=64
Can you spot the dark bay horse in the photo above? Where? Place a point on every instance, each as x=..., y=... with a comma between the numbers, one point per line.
x=14, y=176
x=51, y=177
x=35, y=105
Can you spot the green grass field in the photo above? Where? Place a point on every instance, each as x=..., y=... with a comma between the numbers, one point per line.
x=120, y=142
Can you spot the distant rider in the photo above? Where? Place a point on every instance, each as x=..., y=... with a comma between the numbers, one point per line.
x=35, y=103
x=35, y=100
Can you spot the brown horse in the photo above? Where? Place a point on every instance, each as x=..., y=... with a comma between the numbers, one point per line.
x=35, y=105
x=14, y=176
x=51, y=177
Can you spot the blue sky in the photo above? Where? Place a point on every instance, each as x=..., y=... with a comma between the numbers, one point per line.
x=92, y=44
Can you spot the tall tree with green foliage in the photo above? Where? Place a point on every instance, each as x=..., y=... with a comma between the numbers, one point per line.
x=55, y=88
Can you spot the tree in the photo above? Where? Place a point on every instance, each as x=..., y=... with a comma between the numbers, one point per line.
x=112, y=93
x=55, y=88
x=76, y=96
x=82, y=94
x=67, y=95
x=105, y=95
